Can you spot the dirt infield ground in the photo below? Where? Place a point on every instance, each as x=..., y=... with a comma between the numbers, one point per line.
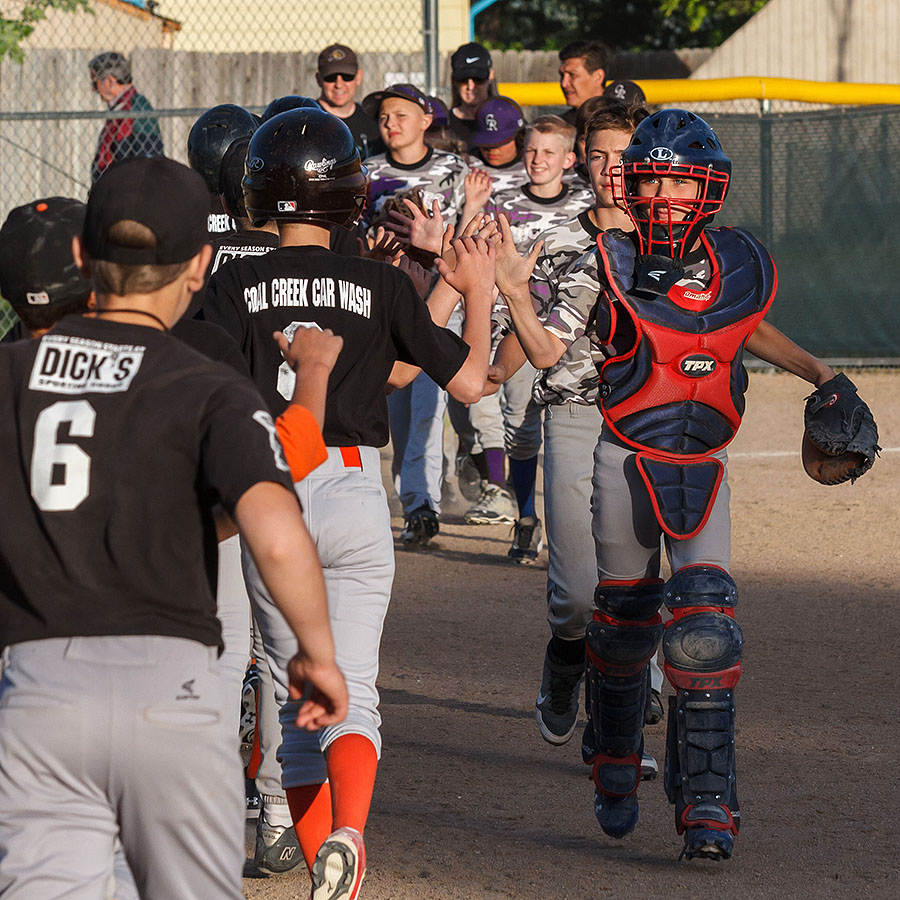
x=472, y=805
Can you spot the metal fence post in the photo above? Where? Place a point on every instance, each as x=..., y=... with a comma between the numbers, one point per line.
x=766, y=187
x=430, y=44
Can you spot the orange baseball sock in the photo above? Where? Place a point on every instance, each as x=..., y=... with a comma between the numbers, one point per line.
x=352, y=762
x=311, y=814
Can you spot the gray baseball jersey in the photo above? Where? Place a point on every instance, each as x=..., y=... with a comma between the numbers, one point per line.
x=439, y=175
x=512, y=175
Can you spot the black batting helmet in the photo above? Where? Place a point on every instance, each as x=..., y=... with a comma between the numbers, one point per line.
x=231, y=174
x=211, y=136
x=283, y=104
x=303, y=166
x=670, y=144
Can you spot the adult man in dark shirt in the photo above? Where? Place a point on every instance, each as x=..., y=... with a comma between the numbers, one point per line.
x=107, y=613
x=339, y=77
x=582, y=71
x=303, y=171
x=121, y=138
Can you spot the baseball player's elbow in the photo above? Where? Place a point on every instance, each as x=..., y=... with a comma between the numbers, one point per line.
x=467, y=386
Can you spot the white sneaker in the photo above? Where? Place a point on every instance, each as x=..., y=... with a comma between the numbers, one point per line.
x=494, y=507
x=339, y=867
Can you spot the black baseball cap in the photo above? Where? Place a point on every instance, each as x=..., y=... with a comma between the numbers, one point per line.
x=470, y=61
x=36, y=264
x=372, y=102
x=337, y=59
x=168, y=198
x=626, y=92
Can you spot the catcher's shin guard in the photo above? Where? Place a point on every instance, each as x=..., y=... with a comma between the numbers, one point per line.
x=702, y=649
x=620, y=640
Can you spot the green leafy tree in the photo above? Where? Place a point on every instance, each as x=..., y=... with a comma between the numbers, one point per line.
x=14, y=30
x=631, y=25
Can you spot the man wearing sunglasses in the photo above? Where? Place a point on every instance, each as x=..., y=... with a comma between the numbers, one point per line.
x=339, y=76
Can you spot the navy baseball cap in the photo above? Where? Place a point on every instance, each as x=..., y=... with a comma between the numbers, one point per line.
x=497, y=121
x=36, y=264
x=626, y=92
x=471, y=61
x=372, y=102
x=168, y=198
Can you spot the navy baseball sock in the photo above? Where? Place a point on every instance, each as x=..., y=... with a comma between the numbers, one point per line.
x=524, y=479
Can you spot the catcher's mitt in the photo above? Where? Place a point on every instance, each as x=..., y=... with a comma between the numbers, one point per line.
x=395, y=203
x=840, y=440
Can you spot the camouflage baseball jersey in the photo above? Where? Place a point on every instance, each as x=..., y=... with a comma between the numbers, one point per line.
x=512, y=175
x=439, y=176
x=530, y=216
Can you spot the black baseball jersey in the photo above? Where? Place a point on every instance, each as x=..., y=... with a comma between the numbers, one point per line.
x=371, y=305
x=116, y=440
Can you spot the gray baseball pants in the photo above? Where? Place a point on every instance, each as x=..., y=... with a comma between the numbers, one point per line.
x=626, y=532
x=570, y=436
x=346, y=511
x=118, y=737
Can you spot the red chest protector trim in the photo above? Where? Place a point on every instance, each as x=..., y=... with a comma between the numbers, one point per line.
x=677, y=394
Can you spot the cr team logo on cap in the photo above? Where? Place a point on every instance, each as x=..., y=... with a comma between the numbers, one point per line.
x=490, y=122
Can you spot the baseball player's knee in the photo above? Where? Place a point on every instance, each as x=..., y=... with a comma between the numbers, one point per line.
x=626, y=626
x=703, y=644
x=353, y=724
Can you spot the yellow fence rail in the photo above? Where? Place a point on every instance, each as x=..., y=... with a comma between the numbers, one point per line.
x=689, y=90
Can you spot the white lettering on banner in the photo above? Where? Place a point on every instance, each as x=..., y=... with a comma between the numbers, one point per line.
x=65, y=364
x=356, y=299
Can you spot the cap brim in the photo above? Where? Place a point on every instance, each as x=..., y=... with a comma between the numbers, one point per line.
x=466, y=73
x=486, y=142
x=372, y=102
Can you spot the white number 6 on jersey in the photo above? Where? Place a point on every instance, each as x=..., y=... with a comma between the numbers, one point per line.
x=73, y=483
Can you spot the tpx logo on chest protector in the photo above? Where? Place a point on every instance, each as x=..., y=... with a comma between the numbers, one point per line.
x=697, y=365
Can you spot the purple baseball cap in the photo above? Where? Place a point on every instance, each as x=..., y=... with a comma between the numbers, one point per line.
x=497, y=121
x=440, y=112
x=372, y=102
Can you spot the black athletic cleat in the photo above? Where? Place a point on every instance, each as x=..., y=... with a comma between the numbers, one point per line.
x=556, y=708
x=527, y=541
x=277, y=850
x=422, y=524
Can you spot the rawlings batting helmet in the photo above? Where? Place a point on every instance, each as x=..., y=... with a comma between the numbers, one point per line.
x=283, y=104
x=303, y=166
x=211, y=136
x=671, y=143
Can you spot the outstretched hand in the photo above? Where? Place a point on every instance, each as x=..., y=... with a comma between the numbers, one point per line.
x=474, y=265
x=382, y=247
x=513, y=270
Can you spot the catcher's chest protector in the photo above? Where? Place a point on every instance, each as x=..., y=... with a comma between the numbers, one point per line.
x=677, y=394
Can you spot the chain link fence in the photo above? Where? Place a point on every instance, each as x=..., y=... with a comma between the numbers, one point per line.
x=819, y=186
x=57, y=126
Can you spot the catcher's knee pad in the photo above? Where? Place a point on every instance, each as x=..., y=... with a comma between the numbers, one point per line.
x=702, y=648
x=620, y=640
